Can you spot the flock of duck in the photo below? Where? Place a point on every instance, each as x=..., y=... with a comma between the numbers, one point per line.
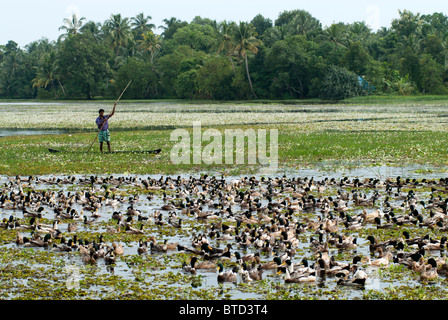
x=290, y=227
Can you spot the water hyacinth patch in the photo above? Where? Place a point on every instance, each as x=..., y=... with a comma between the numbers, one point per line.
x=29, y=154
x=78, y=116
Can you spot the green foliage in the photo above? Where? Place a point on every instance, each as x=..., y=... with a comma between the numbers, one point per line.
x=83, y=65
x=331, y=52
x=375, y=75
x=410, y=65
x=404, y=85
x=244, y=60
x=170, y=66
x=240, y=85
x=47, y=74
x=339, y=84
x=408, y=24
x=434, y=46
x=431, y=75
x=215, y=79
x=142, y=76
x=261, y=24
x=43, y=94
x=171, y=27
x=356, y=58
x=198, y=37
x=289, y=63
x=118, y=32
x=186, y=84
x=141, y=25
x=299, y=22
x=16, y=72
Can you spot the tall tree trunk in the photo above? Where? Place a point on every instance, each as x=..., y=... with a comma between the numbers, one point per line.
x=154, y=71
x=54, y=90
x=62, y=87
x=248, y=77
x=233, y=65
x=88, y=93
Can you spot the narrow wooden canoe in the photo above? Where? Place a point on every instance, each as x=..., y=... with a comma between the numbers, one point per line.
x=144, y=151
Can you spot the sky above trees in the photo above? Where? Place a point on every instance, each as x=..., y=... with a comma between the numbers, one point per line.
x=25, y=21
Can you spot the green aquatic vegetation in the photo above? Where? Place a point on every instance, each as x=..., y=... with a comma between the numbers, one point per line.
x=342, y=145
x=7, y=236
x=355, y=143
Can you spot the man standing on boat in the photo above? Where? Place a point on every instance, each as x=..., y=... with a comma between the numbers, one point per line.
x=103, y=125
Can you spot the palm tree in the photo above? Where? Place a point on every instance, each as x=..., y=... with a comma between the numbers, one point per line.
x=246, y=41
x=150, y=43
x=275, y=34
x=170, y=27
x=226, y=43
x=47, y=74
x=71, y=26
x=359, y=31
x=118, y=31
x=169, y=23
x=141, y=24
x=10, y=68
x=93, y=29
x=408, y=23
x=13, y=65
x=336, y=33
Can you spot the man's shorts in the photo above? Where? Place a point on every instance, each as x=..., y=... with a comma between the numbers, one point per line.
x=104, y=136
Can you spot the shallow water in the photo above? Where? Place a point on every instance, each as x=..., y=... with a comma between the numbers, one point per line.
x=339, y=170
x=183, y=236
x=29, y=132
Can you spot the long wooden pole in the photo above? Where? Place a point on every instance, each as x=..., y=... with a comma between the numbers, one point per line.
x=108, y=119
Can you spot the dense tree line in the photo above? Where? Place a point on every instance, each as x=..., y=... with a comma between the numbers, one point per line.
x=291, y=57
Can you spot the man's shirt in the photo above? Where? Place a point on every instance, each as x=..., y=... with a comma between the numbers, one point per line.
x=106, y=124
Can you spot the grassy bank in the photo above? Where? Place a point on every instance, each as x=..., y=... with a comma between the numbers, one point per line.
x=29, y=155
x=353, y=133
